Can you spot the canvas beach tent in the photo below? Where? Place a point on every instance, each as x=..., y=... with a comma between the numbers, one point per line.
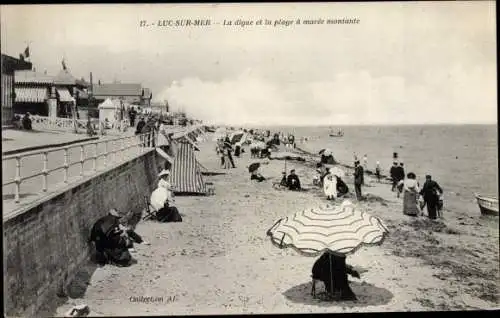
x=186, y=172
x=107, y=109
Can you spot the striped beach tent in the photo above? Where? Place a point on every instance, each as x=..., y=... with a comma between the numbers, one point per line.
x=339, y=230
x=186, y=171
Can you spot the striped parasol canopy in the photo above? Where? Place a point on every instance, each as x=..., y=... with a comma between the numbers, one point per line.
x=340, y=230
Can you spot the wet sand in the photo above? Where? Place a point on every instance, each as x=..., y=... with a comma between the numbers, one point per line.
x=219, y=260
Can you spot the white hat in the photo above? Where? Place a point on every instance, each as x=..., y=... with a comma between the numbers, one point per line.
x=164, y=172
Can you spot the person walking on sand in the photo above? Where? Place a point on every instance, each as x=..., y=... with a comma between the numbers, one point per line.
x=431, y=192
x=400, y=177
x=358, y=179
x=410, y=196
x=394, y=175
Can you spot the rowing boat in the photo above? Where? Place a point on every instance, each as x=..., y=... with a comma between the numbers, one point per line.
x=487, y=205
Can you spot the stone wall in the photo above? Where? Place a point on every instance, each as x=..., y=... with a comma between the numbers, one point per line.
x=46, y=243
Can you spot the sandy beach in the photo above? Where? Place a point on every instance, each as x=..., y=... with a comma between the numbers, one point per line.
x=219, y=260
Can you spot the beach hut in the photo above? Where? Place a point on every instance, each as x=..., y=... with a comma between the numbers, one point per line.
x=108, y=110
x=186, y=171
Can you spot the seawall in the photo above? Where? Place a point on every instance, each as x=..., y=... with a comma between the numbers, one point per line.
x=46, y=243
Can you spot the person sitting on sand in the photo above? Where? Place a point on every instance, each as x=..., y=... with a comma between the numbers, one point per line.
x=342, y=188
x=112, y=240
x=162, y=200
x=255, y=175
x=410, y=196
x=293, y=181
x=332, y=270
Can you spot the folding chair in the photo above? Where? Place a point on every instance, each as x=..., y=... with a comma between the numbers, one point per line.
x=150, y=211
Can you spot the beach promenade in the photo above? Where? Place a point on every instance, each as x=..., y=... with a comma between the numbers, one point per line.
x=16, y=142
x=219, y=260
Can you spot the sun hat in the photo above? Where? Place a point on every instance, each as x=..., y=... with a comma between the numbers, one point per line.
x=164, y=172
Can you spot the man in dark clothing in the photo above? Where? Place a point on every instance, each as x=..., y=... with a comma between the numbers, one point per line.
x=358, y=179
x=132, y=113
x=27, y=122
x=112, y=241
x=401, y=176
x=140, y=125
x=394, y=175
x=431, y=191
x=293, y=181
x=332, y=270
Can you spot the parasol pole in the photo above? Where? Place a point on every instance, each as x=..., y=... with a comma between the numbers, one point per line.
x=331, y=274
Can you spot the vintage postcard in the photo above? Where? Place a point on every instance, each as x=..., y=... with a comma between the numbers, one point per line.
x=263, y=158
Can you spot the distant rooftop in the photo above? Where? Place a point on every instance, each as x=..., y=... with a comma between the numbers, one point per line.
x=117, y=89
x=32, y=77
x=64, y=77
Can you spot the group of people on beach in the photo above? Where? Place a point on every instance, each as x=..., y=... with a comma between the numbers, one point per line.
x=414, y=197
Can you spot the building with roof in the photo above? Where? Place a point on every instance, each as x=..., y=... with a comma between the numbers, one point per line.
x=32, y=92
x=9, y=65
x=129, y=92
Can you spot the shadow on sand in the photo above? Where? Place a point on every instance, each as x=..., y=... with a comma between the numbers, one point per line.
x=367, y=294
x=76, y=289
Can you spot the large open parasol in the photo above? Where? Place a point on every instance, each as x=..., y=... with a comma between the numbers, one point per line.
x=339, y=230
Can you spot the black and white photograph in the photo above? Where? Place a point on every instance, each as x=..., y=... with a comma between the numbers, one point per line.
x=249, y=158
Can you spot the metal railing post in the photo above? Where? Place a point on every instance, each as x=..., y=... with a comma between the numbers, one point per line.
x=66, y=165
x=105, y=152
x=82, y=160
x=95, y=158
x=17, y=179
x=45, y=171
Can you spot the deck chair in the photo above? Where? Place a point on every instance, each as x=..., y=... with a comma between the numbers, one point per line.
x=150, y=211
x=210, y=188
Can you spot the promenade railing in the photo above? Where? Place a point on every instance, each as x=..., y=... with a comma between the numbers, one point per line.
x=38, y=171
x=58, y=123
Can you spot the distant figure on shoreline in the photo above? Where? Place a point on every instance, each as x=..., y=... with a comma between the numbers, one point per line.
x=358, y=179
x=431, y=192
x=365, y=162
x=378, y=171
x=401, y=177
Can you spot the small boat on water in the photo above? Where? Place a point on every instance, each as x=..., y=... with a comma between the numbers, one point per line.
x=487, y=205
x=338, y=133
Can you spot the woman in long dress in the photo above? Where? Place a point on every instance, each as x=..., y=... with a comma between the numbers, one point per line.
x=330, y=186
x=410, y=196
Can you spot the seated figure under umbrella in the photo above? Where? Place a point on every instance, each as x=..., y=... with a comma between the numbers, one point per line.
x=333, y=233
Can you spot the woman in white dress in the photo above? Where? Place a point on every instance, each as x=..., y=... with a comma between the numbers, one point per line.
x=330, y=186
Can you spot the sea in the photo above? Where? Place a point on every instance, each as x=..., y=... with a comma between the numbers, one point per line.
x=463, y=159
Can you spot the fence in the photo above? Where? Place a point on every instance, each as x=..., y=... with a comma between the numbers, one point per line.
x=58, y=123
x=37, y=170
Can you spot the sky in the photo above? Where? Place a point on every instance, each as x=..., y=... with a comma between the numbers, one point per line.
x=403, y=63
